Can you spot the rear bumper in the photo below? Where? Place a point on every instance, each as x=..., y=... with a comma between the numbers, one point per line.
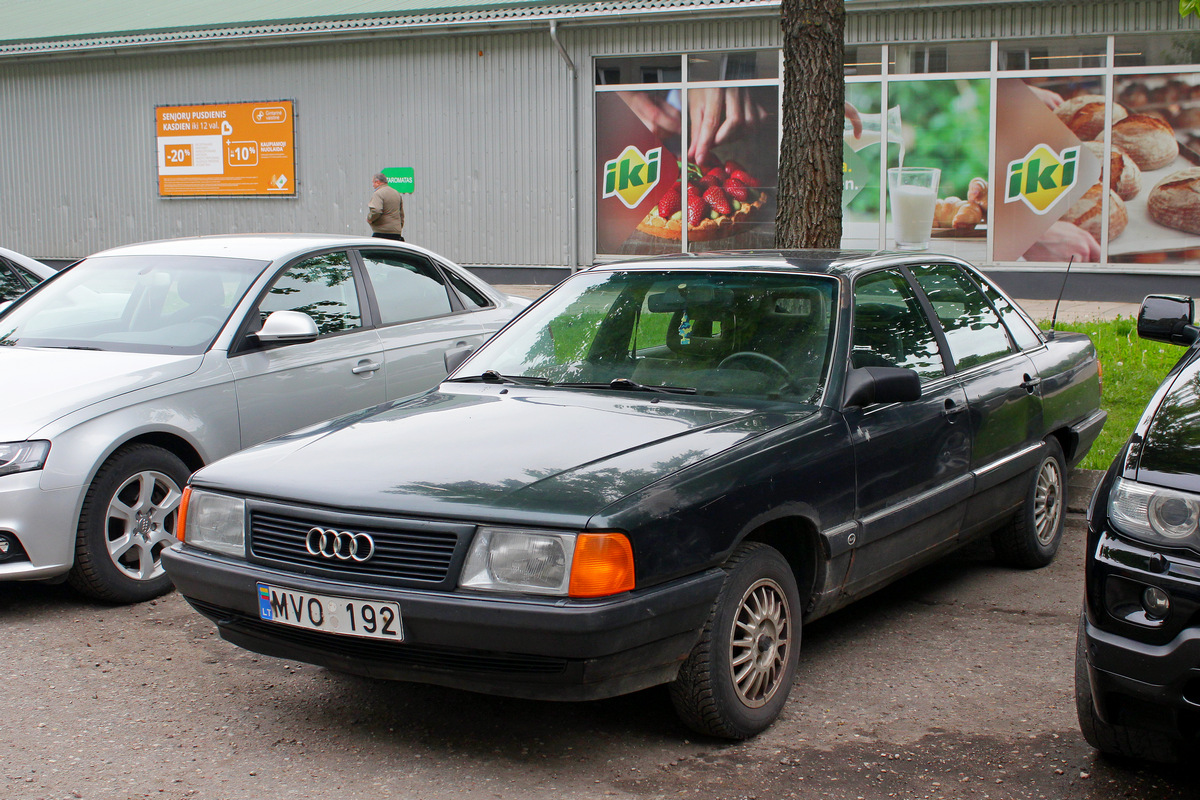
x=538, y=648
x=1083, y=435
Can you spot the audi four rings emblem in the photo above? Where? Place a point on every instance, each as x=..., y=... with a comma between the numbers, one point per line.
x=342, y=545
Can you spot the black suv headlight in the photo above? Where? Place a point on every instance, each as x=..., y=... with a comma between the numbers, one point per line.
x=1154, y=514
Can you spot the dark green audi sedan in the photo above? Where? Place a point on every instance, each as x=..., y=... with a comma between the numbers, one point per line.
x=654, y=475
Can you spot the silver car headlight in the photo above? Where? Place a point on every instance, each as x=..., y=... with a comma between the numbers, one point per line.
x=513, y=560
x=215, y=522
x=1154, y=514
x=22, y=456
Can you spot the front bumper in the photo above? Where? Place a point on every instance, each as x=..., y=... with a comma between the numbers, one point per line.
x=42, y=522
x=1143, y=673
x=537, y=648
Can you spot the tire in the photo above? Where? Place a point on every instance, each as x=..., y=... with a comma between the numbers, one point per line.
x=1031, y=538
x=128, y=519
x=1116, y=740
x=759, y=598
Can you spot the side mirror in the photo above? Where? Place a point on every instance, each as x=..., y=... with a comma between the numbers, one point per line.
x=287, y=327
x=867, y=385
x=1167, y=318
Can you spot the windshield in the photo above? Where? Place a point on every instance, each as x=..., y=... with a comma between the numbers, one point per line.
x=136, y=304
x=714, y=333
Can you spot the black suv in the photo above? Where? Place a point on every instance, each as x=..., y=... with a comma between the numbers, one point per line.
x=1137, y=664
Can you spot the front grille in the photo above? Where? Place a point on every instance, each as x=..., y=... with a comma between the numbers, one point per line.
x=400, y=554
x=391, y=653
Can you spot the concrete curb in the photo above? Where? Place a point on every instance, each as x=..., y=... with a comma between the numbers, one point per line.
x=1081, y=485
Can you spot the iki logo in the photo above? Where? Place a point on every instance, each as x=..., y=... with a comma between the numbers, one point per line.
x=1041, y=177
x=631, y=175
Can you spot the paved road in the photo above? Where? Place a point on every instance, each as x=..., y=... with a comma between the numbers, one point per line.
x=954, y=683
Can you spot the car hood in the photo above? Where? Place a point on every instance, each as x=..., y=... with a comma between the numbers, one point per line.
x=43, y=384
x=1165, y=449
x=471, y=451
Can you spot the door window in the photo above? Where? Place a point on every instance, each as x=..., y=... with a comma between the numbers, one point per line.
x=321, y=286
x=1024, y=335
x=973, y=328
x=405, y=289
x=890, y=329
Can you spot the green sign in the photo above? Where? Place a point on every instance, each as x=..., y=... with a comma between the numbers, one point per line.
x=400, y=179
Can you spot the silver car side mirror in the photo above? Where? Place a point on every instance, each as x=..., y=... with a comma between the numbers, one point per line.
x=289, y=327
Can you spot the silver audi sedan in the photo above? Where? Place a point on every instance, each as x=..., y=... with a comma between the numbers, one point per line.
x=138, y=365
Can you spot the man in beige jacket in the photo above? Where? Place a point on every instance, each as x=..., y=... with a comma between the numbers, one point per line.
x=385, y=212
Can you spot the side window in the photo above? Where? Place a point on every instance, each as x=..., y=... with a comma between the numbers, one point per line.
x=405, y=289
x=890, y=329
x=973, y=328
x=472, y=298
x=11, y=285
x=1025, y=336
x=322, y=287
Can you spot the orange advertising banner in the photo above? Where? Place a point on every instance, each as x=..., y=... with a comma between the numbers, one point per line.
x=226, y=150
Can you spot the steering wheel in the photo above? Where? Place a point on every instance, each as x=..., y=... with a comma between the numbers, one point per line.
x=207, y=320
x=750, y=355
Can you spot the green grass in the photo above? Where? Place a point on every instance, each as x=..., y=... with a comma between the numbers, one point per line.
x=1133, y=369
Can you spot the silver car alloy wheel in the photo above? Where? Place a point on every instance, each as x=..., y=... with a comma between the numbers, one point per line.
x=140, y=523
x=758, y=648
x=1047, y=501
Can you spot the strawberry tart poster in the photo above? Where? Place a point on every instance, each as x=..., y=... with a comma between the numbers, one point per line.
x=718, y=192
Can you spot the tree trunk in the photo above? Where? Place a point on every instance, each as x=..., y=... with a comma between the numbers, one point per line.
x=810, y=156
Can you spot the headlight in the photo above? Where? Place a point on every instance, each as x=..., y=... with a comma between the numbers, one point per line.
x=1155, y=515
x=22, y=456
x=545, y=562
x=535, y=562
x=214, y=522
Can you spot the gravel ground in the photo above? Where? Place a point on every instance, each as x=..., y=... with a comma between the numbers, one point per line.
x=953, y=683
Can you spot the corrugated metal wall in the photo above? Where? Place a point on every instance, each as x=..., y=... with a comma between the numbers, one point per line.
x=989, y=20
x=480, y=118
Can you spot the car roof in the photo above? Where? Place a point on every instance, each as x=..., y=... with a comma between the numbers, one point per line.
x=258, y=246
x=846, y=263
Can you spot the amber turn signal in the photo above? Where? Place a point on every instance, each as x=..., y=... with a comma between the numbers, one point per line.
x=181, y=518
x=603, y=565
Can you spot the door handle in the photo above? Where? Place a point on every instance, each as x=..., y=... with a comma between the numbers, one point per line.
x=1030, y=384
x=365, y=366
x=952, y=409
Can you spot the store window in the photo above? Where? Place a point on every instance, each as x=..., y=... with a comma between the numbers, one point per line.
x=917, y=59
x=863, y=59
x=733, y=66
x=1055, y=54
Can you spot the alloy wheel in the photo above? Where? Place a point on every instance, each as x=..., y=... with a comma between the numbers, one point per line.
x=758, y=649
x=140, y=523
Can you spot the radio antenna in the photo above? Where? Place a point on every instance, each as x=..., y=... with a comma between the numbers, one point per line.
x=1061, y=289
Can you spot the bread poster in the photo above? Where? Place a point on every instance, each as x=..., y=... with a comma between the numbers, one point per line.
x=1047, y=203
x=1136, y=192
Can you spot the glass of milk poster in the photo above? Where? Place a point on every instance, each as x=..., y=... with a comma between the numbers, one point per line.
x=913, y=193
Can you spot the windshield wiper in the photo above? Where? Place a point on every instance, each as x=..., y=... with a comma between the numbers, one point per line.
x=71, y=347
x=492, y=376
x=627, y=384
